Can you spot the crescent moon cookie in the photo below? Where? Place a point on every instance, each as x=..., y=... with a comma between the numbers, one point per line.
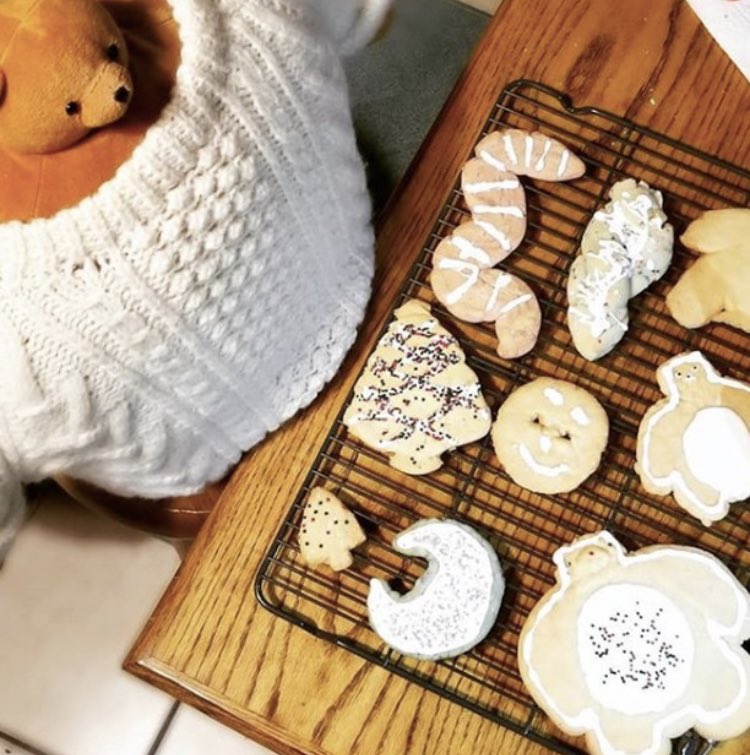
x=695, y=443
x=417, y=398
x=631, y=650
x=716, y=287
x=329, y=531
x=453, y=605
x=626, y=247
x=530, y=154
x=549, y=435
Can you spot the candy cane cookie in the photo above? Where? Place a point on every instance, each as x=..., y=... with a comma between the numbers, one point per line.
x=530, y=154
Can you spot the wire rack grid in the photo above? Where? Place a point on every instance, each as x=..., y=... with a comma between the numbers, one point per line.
x=524, y=527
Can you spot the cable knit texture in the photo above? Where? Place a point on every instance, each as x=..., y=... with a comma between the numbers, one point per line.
x=152, y=333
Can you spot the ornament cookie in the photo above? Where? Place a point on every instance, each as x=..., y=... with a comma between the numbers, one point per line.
x=634, y=649
x=530, y=154
x=549, y=435
x=716, y=288
x=417, y=398
x=453, y=605
x=626, y=247
x=329, y=531
x=695, y=443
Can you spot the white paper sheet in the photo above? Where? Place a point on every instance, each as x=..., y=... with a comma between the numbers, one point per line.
x=728, y=21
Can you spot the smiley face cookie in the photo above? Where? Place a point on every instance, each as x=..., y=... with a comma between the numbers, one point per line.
x=695, y=443
x=550, y=435
x=632, y=650
x=417, y=398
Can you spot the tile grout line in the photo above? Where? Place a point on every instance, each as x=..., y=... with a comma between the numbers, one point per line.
x=153, y=750
x=15, y=742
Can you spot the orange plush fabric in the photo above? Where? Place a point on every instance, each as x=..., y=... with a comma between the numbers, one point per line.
x=33, y=186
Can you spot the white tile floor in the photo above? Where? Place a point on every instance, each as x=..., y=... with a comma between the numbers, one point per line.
x=74, y=592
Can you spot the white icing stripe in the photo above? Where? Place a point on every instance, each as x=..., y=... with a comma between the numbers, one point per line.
x=554, y=396
x=489, y=209
x=580, y=416
x=509, y=150
x=467, y=250
x=495, y=233
x=511, y=305
x=502, y=281
x=545, y=443
x=529, y=151
x=564, y=159
x=541, y=469
x=587, y=718
x=540, y=162
x=482, y=186
x=674, y=479
x=492, y=161
x=467, y=269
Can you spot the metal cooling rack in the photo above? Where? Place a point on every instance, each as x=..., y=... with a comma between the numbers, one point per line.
x=524, y=527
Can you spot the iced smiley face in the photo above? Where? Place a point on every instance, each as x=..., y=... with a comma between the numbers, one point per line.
x=550, y=435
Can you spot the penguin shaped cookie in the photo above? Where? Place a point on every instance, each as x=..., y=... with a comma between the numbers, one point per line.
x=695, y=443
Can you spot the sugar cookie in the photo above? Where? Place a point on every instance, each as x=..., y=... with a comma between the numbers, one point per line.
x=634, y=649
x=716, y=287
x=453, y=605
x=417, y=398
x=530, y=154
x=626, y=247
x=549, y=435
x=329, y=531
x=695, y=443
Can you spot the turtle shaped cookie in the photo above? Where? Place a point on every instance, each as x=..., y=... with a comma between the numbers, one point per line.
x=695, y=443
x=632, y=650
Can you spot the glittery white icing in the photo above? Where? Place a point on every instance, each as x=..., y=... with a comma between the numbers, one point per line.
x=635, y=648
x=542, y=158
x=529, y=148
x=554, y=396
x=564, y=160
x=494, y=233
x=674, y=479
x=509, y=149
x=717, y=450
x=453, y=604
x=545, y=443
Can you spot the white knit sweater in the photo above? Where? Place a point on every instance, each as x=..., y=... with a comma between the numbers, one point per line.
x=152, y=333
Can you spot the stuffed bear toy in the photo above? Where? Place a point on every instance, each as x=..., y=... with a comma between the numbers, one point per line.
x=163, y=325
x=63, y=72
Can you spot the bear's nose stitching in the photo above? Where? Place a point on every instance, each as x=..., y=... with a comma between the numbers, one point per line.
x=122, y=95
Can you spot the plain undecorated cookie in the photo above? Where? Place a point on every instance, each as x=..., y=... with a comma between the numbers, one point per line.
x=549, y=435
x=453, y=605
x=417, y=398
x=716, y=287
x=695, y=443
x=631, y=650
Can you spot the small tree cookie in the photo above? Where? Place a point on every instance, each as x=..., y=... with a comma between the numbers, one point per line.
x=329, y=531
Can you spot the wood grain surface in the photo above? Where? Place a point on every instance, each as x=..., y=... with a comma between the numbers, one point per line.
x=209, y=642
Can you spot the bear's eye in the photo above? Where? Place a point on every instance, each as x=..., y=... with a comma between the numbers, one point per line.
x=113, y=52
x=73, y=108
